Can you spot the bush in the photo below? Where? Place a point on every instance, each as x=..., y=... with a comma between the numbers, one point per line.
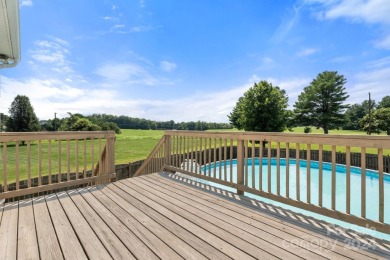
x=307, y=130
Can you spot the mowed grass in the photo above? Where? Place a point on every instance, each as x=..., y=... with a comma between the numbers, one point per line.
x=130, y=146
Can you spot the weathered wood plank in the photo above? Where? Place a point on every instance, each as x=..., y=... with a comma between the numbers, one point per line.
x=9, y=231
x=241, y=246
x=71, y=247
x=90, y=242
x=257, y=234
x=49, y=248
x=178, y=245
x=116, y=223
x=108, y=238
x=136, y=222
x=27, y=237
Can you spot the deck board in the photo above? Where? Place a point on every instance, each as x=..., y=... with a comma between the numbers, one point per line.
x=27, y=239
x=167, y=216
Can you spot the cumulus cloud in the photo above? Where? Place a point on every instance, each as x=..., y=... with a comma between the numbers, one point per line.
x=167, y=66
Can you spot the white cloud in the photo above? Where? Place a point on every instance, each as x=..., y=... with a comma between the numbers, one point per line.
x=287, y=23
x=26, y=3
x=383, y=43
x=167, y=66
x=53, y=52
x=306, y=52
x=114, y=7
x=142, y=3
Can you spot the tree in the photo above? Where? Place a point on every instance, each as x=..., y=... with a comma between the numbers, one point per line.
x=263, y=108
x=3, y=121
x=380, y=121
x=355, y=113
x=77, y=122
x=321, y=103
x=385, y=102
x=22, y=117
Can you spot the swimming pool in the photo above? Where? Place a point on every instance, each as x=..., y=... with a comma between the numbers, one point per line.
x=253, y=177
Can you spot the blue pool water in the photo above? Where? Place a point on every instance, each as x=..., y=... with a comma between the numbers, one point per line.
x=372, y=187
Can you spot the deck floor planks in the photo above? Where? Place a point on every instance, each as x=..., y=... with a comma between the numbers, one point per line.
x=109, y=239
x=129, y=239
x=27, y=237
x=171, y=226
x=178, y=245
x=250, y=227
x=264, y=230
x=49, y=248
x=9, y=231
x=119, y=207
x=237, y=246
x=245, y=207
x=88, y=239
x=205, y=213
x=66, y=236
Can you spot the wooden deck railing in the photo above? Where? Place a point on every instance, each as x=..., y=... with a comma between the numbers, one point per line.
x=38, y=162
x=210, y=156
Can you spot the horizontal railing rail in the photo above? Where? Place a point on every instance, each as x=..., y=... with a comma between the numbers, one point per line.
x=43, y=161
x=248, y=162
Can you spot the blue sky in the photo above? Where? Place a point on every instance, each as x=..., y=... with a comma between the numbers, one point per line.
x=191, y=60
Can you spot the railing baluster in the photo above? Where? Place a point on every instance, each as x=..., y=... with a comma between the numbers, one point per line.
x=220, y=159
x=28, y=164
x=333, y=177
x=68, y=159
x=17, y=162
x=240, y=165
x=231, y=160
x=348, y=173
x=210, y=148
x=381, y=186
x=253, y=164
x=39, y=163
x=320, y=175
x=59, y=160
x=278, y=168
x=196, y=154
x=297, y=164
x=225, y=160
x=246, y=158
x=85, y=157
x=215, y=158
x=261, y=165
x=200, y=151
x=288, y=170
x=5, y=176
x=93, y=155
x=363, y=182
x=308, y=155
x=192, y=154
x=269, y=167
x=77, y=158
x=49, y=158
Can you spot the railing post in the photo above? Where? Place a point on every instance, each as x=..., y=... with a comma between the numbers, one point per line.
x=168, y=150
x=240, y=165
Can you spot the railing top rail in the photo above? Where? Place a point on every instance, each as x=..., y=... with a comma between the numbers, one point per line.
x=32, y=136
x=342, y=140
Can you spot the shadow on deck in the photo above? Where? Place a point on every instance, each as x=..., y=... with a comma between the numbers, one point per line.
x=169, y=216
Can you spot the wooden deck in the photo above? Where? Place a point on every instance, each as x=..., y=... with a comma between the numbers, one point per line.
x=165, y=216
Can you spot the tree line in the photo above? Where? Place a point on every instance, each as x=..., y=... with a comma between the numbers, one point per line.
x=22, y=118
x=321, y=104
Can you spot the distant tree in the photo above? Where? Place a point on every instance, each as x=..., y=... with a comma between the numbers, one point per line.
x=76, y=122
x=385, y=102
x=355, y=113
x=321, y=104
x=3, y=122
x=263, y=108
x=380, y=121
x=22, y=117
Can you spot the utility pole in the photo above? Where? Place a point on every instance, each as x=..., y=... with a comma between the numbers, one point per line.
x=369, y=113
x=55, y=119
